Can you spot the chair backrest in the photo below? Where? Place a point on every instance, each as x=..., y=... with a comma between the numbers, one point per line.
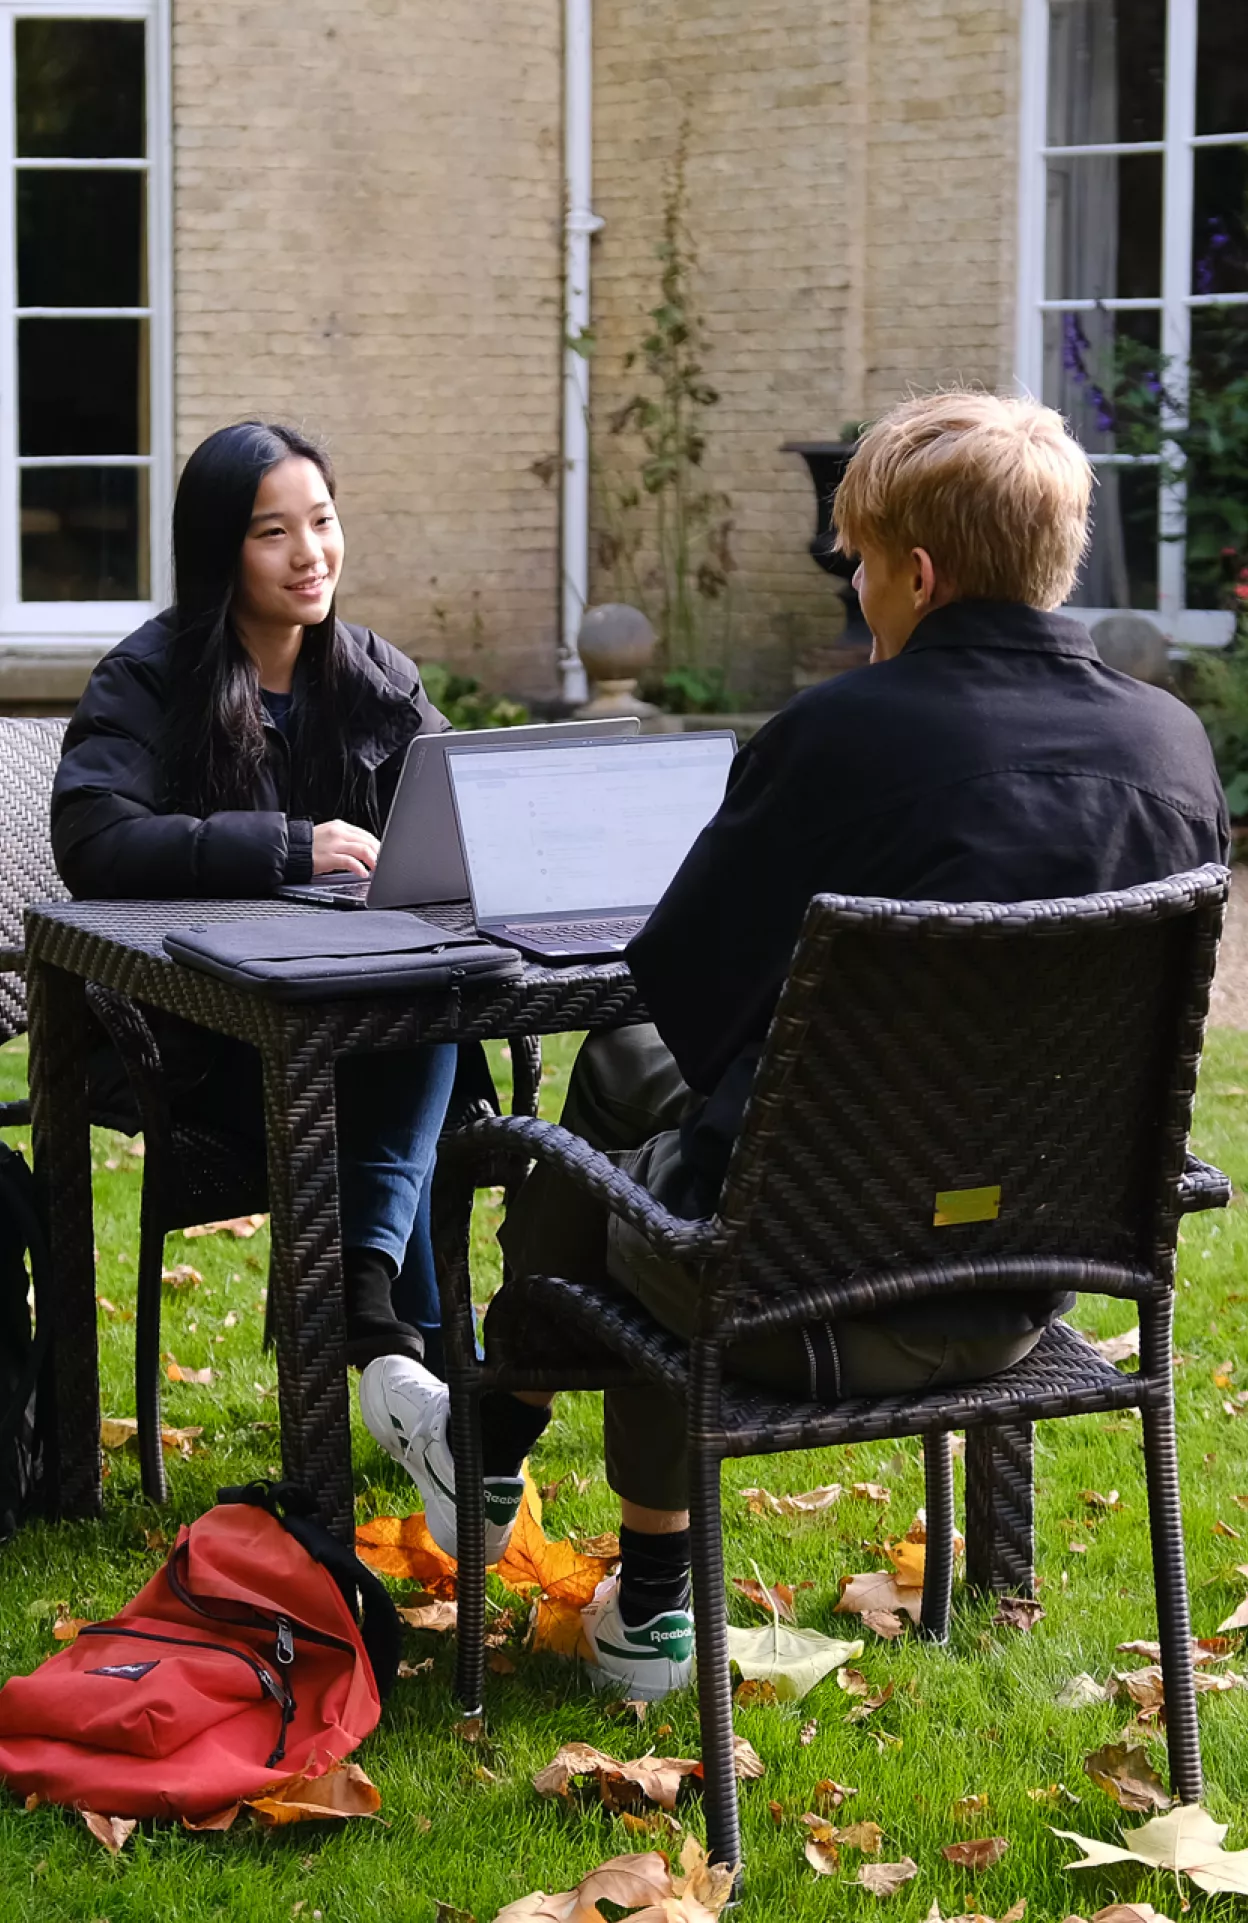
x=946, y=1082
x=29, y=753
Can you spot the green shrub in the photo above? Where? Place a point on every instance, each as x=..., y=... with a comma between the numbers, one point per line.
x=465, y=703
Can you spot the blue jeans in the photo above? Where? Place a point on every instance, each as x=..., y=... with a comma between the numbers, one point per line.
x=391, y=1107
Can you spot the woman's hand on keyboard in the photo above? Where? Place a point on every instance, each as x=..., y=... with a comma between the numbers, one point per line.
x=338, y=848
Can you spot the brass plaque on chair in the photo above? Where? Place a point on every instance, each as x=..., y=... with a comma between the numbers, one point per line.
x=966, y=1205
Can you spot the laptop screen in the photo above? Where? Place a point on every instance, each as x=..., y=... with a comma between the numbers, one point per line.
x=587, y=827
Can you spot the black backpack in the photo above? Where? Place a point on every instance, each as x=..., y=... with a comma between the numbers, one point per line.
x=22, y=1243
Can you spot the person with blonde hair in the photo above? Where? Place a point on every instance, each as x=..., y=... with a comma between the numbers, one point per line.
x=987, y=754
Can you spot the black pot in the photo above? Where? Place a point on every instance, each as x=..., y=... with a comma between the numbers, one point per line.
x=827, y=461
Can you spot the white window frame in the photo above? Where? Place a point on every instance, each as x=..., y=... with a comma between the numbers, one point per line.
x=1178, y=145
x=36, y=624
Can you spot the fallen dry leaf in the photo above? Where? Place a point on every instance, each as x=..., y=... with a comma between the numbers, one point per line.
x=853, y=1682
x=200, y=1377
x=470, y=1729
x=793, y=1659
x=344, y=1790
x=657, y=1778
x=1129, y=1913
x=865, y=1837
x=1185, y=1840
x=499, y=1663
x=1081, y=1691
x=1054, y=1793
x=820, y=1848
x=885, y=1879
x=218, y=1819
x=884, y=1622
x=869, y=1704
x=830, y=1795
x=1117, y=1348
x=437, y=1615
x=967, y=1808
x=181, y=1276
x=1124, y=1772
x=747, y=1764
x=872, y=1492
x=755, y=1692
x=1095, y=1500
x=777, y=1813
x=65, y=1628
x=761, y=1502
x=1143, y=1686
x=447, y=1913
x=979, y=1854
x=1221, y=1528
x=112, y=1831
x=807, y=1733
x=1019, y=1612
x=627, y=1881
x=778, y=1596
x=406, y=1671
x=241, y=1226
x=878, y=1591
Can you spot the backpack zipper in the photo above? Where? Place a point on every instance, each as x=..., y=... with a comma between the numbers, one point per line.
x=280, y=1692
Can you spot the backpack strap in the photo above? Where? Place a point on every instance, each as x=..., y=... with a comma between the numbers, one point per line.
x=17, y=1191
x=365, y=1595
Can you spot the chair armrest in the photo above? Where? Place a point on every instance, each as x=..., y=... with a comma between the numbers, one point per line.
x=1201, y=1186
x=591, y=1170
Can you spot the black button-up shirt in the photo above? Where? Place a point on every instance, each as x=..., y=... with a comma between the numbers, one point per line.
x=995, y=759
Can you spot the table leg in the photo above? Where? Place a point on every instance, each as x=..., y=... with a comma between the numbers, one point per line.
x=305, y=1272
x=61, y=1141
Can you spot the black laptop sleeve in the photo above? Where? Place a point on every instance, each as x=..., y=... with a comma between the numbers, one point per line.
x=303, y=957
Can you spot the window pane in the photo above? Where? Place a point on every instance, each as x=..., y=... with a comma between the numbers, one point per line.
x=1102, y=372
x=80, y=89
x=82, y=386
x=1121, y=568
x=1217, y=477
x=1107, y=68
x=80, y=239
x=1222, y=68
x=1103, y=236
x=1220, y=221
x=84, y=534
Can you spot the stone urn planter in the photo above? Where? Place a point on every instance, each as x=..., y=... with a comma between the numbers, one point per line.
x=827, y=461
x=617, y=643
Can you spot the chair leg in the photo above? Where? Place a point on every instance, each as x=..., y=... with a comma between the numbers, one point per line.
x=1165, y=1521
x=470, y=1532
x=938, y=1563
x=723, y=1832
x=147, y=1347
x=1000, y=1523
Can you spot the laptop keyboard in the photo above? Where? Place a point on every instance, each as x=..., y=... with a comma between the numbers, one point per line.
x=610, y=928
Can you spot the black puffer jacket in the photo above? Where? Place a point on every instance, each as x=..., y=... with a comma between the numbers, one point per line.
x=112, y=835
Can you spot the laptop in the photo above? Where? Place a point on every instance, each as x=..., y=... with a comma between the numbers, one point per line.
x=569, y=845
x=419, y=860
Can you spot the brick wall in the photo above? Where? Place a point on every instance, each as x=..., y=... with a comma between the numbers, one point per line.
x=368, y=200
x=850, y=176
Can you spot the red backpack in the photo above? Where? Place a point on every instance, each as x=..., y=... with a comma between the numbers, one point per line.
x=239, y=1665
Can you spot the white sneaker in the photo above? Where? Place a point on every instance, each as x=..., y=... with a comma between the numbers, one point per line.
x=645, y=1662
x=408, y=1411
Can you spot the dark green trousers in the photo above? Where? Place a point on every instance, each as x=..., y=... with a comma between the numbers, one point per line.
x=626, y=1096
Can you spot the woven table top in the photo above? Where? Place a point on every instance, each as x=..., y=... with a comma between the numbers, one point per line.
x=120, y=943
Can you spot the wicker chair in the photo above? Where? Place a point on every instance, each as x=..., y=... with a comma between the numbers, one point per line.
x=190, y=1174
x=1048, y=1050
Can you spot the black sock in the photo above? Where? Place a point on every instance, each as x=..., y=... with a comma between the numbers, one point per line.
x=654, y=1574
x=367, y=1278
x=509, y=1428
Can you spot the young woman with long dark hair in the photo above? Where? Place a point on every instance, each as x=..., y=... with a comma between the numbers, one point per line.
x=244, y=739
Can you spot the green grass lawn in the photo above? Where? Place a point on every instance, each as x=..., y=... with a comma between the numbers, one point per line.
x=976, y=1718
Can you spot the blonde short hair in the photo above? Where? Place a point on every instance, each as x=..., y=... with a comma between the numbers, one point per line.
x=994, y=488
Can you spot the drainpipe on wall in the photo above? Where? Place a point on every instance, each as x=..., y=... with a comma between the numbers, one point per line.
x=580, y=223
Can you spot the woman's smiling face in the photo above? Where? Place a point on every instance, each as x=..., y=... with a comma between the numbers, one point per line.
x=292, y=552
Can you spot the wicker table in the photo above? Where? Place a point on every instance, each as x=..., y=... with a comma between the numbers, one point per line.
x=120, y=945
